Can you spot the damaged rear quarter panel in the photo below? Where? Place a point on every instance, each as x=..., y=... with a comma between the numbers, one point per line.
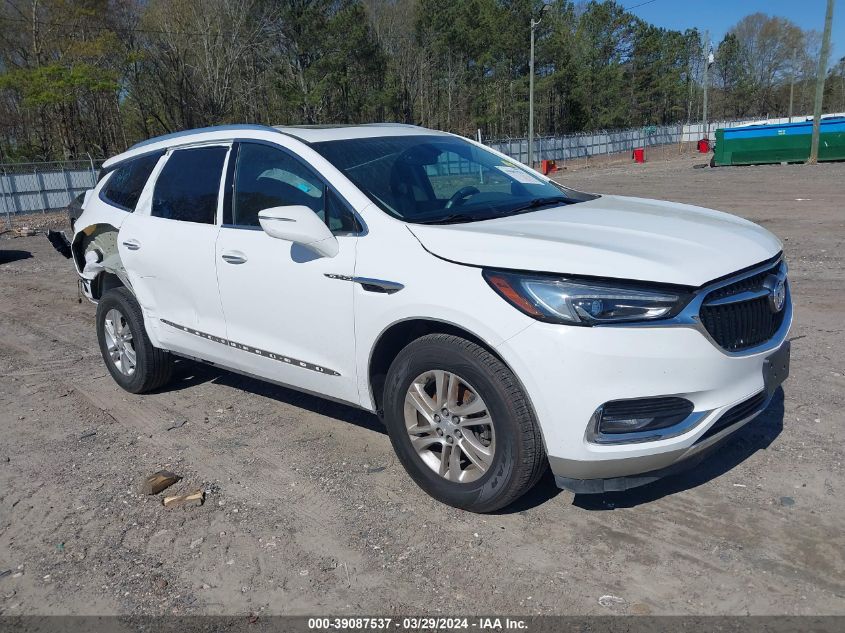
x=97, y=231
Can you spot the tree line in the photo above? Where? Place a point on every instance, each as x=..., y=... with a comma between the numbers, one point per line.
x=96, y=76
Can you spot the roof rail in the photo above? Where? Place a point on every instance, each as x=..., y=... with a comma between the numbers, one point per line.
x=389, y=124
x=214, y=128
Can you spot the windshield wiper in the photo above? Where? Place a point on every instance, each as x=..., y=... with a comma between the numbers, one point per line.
x=453, y=218
x=537, y=203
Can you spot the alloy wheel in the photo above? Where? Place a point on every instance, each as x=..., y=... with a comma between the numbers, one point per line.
x=449, y=426
x=119, y=342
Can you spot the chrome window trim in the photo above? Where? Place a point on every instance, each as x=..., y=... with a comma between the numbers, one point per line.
x=689, y=316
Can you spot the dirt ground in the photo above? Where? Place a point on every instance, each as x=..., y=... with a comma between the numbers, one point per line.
x=308, y=511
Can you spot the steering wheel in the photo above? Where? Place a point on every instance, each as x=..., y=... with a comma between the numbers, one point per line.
x=460, y=195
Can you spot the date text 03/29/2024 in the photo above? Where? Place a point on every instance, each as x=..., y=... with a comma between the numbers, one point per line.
x=417, y=623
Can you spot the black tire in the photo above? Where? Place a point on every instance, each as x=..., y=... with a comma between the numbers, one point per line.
x=153, y=367
x=519, y=459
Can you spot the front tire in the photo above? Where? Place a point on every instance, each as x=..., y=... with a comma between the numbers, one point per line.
x=129, y=355
x=461, y=424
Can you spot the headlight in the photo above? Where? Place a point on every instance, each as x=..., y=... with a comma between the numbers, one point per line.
x=574, y=302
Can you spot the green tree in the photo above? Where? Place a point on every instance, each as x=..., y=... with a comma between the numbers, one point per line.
x=603, y=42
x=60, y=78
x=834, y=96
x=732, y=78
x=97, y=75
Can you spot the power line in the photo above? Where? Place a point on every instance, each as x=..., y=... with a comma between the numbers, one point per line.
x=641, y=4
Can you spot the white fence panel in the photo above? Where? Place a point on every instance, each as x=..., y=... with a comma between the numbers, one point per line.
x=31, y=187
x=599, y=143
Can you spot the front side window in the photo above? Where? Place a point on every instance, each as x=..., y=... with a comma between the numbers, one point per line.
x=437, y=179
x=188, y=185
x=124, y=186
x=267, y=177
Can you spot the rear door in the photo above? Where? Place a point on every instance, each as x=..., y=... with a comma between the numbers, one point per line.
x=167, y=247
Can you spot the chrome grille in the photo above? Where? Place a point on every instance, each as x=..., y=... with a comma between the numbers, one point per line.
x=737, y=315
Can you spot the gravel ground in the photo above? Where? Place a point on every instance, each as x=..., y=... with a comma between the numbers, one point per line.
x=308, y=511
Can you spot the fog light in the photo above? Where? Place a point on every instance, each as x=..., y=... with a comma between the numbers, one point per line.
x=642, y=414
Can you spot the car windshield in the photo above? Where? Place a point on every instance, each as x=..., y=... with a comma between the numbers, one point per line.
x=435, y=179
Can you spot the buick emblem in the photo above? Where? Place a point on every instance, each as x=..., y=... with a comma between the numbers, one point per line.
x=777, y=296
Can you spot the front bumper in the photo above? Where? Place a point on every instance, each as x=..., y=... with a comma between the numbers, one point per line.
x=682, y=460
x=569, y=372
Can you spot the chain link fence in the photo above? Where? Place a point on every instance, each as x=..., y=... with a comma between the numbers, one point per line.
x=586, y=145
x=42, y=187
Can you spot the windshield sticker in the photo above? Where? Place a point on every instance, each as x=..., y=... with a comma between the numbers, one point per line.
x=519, y=175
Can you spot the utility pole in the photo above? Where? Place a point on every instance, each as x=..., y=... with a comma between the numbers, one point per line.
x=708, y=55
x=820, y=77
x=534, y=24
x=792, y=83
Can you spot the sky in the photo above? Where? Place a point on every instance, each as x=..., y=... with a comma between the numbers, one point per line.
x=720, y=15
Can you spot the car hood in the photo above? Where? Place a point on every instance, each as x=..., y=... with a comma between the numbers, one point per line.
x=609, y=236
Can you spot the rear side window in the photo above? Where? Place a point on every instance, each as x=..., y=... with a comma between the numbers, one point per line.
x=188, y=185
x=124, y=186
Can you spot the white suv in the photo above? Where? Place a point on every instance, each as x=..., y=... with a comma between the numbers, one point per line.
x=497, y=321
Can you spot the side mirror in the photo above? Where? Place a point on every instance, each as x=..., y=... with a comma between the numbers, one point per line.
x=300, y=225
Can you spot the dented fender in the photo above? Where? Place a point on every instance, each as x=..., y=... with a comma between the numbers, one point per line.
x=95, y=252
x=97, y=260
x=98, y=263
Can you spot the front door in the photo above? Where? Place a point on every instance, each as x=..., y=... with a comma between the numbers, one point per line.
x=288, y=316
x=168, y=248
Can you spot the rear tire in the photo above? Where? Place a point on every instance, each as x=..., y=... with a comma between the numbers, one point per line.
x=489, y=417
x=129, y=355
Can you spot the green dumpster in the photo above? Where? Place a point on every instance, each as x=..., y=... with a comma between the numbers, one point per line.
x=779, y=143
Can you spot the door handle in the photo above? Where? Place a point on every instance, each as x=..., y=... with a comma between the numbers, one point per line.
x=234, y=257
x=132, y=245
